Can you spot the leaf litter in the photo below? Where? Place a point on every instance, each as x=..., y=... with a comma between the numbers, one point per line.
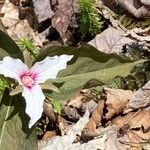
x=110, y=119
x=108, y=126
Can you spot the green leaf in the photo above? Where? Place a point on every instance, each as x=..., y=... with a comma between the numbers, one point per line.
x=8, y=45
x=17, y=90
x=14, y=131
x=88, y=63
x=49, y=86
x=57, y=106
x=3, y=53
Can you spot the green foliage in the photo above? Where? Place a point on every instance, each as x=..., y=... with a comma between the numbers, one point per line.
x=3, y=85
x=57, y=106
x=26, y=44
x=14, y=131
x=90, y=21
x=9, y=47
x=87, y=63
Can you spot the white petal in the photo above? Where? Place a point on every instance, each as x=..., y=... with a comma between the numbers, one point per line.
x=10, y=67
x=50, y=66
x=34, y=103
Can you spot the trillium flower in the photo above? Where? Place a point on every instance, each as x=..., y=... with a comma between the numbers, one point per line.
x=31, y=78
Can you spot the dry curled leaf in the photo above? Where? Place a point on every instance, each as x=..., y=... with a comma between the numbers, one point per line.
x=77, y=100
x=116, y=101
x=95, y=119
x=73, y=106
x=133, y=128
x=66, y=141
x=62, y=17
x=140, y=99
x=17, y=28
x=135, y=7
x=42, y=9
x=110, y=41
x=48, y=135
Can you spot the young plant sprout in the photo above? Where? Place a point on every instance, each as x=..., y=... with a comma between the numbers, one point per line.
x=30, y=79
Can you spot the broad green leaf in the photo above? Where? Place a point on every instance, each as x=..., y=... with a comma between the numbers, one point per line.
x=3, y=53
x=8, y=45
x=14, y=131
x=49, y=86
x=88, y=63
x=17, y=90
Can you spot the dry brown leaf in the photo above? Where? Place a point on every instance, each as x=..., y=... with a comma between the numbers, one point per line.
x=17, y=28
x=135, y=7
x=145, y=2
x=112, y=142
x=139, y=119
x=140, y=99
x=116, y=101
x=48, y=135
x=77, y=100
x=73, y=106
x=42, y=9
x=95, y=119
x=133, y=128
x=65, y=142
x=110, y=41
x=62, y=17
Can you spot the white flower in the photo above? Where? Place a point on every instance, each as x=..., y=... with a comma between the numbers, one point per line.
x=30, y=79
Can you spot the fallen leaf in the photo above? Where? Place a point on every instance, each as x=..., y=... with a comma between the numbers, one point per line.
x=110, y=41
x=48, y=135
x=66, y=141
x=140, y=99
x=72, y=113
x=17, y=28
x=43, y=10
x=77, y=100
x=73, y=106
x=116, y=101
x=112, y=142
x=62, y=17
x=95, y=119
x=136, y=8
x=133, y=128
x=145, y=2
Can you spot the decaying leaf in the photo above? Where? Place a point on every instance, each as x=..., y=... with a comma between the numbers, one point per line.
x=116, y=101
x=17, y=28
x=112, y=142
x=133, y=128
x=43, y=10
x=110, y=41
x=145, y=2
x=139, y=10
x=62, y=17
x=75, y=103
x=140, y=99
x=66, y=141
x=48, y=135
x=77, y=100
x=95, y=119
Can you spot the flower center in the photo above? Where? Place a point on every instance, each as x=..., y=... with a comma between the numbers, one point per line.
x=28, y=81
